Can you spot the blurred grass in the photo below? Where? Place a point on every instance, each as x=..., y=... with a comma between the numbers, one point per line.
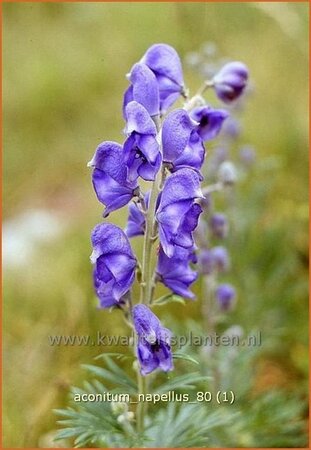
x=64, y=67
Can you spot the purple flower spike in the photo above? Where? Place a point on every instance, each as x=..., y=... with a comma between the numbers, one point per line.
x=153, y=349
x=219, y=225
x=141, y=149
x=225, y=294
x=165, y=63
x=210, y=121
x=175, y=273
x=231, y=81
x=114, y=262
x=144, y=89
x=182, y=147
x=178, y=214
x=110, y=177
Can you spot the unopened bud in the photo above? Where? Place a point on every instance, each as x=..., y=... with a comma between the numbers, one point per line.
x=227, y=173
x=126, y=417
x=118, y=408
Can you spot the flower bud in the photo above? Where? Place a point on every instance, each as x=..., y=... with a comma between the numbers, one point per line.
x=206, y=262
x=118, y=408
x=231, y=128
x=247, y=155
x=220, y=258
x=126, y=417
x=225, y=294
x=231, y=81
x=219, y=225
x=227, y=173
x=201, y=233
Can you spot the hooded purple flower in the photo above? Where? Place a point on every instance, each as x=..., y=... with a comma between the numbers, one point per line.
x=153, y=349
x=232, y=128
x=210, y=121
x=182, y=146
x=136, y=220
x=219, y=225
x=247, y=155
x=165, y=63
x=206, y=261
x=216, y=258
x=144, y=89
x=177, y=213
x=110, y=177
x=175, y=272
x=231, y=81
x=225, y=294
x=141, y=149
x=114, y=264
x=220, y=258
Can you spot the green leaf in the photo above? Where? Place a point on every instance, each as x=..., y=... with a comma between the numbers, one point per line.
x=179, y=355
x=187, y=381
x=120, y=356
x=168, y=299
x=118, y=377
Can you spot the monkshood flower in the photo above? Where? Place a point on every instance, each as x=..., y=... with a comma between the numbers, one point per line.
x=141, y=149
x=227, y=173
x=220, y=258
x=182, y=146
x=153, y=349
x=176, y=273
x=110, y=177
x=206, y=261
x=225, y=295
x=247, y=155
x=218, y=224
x=210, y=121
x=231, y=128
x=214, y=259
x=114, y=264
x=177, y=213
x=165, y=63
x=230, y=81
x=144, y=89
x=136, y=221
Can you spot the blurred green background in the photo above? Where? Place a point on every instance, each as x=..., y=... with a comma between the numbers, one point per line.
x=64, y=76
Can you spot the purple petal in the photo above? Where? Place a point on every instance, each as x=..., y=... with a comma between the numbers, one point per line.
x=139, y=120
x=176, y=131
x=164, y=60
x=181, y=185
x=231, y=81
x=109, y=192
x=145, y=88
x=210, y=121
x=175, y=272
x=114, y=264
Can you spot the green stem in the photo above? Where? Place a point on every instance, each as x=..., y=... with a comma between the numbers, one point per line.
x=146, y=286
x=141, y=406
x=209, y=323
x=197, y=99
x=147, y=280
